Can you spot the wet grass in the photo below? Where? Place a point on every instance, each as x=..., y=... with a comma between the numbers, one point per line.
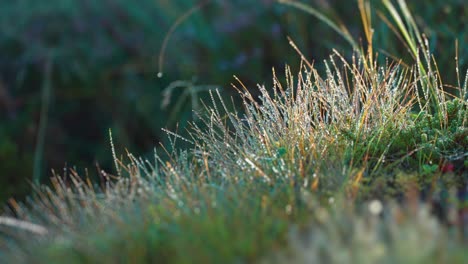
x=363, y=163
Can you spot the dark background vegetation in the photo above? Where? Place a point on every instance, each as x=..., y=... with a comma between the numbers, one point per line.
x=92, y=65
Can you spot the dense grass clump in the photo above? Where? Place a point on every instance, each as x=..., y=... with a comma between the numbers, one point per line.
x=363, y=163
x=93, y=66
x=233, y=196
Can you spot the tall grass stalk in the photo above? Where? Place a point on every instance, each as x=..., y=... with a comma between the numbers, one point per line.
x=43, y=117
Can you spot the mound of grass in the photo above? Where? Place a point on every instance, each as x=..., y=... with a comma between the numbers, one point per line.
x=309, y=172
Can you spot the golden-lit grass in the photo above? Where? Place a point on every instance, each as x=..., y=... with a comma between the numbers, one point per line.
x=305, y=154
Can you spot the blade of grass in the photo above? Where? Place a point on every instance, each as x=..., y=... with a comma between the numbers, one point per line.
x=340, y=29
x=41, y=134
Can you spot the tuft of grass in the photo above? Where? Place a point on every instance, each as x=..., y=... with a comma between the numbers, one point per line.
x=234, y=195
x=287, y=177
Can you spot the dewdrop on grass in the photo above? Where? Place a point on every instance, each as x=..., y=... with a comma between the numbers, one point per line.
x=375, y=207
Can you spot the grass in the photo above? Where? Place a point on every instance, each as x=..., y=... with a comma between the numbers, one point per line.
x=93, y=66
x=359, y=164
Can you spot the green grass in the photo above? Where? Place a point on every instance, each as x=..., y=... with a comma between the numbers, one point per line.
x=104, y=58
x=321, y=167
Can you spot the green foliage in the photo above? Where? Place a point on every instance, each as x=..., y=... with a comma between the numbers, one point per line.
x=285, y=178
x=233, y=196
x=104, y=61
x=104, y=57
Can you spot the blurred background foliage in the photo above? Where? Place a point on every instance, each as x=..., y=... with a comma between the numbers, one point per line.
x=84, y=66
